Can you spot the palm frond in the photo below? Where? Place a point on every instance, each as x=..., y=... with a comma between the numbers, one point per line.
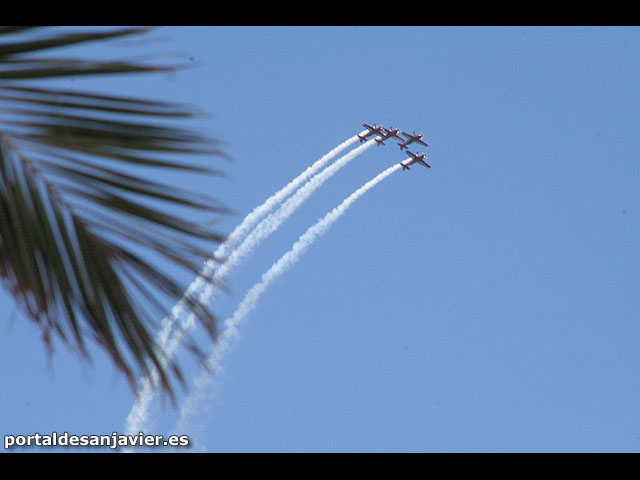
x=78, y=206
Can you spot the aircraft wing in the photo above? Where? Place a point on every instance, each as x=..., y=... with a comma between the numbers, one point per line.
x=421, y=143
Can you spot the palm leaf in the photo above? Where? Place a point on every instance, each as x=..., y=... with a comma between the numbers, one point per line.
x=79, y=211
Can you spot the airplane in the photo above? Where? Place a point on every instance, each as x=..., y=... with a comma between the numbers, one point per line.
x=375, y=130
x=412, y=138
x=415, y=159
x=388, y=133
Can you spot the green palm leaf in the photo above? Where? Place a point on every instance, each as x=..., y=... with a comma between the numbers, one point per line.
x=79, y=209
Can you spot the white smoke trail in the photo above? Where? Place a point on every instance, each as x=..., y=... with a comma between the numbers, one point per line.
x=137, y=417
x=265, y=228
x=273, y=221
x=191, y=404
x=251, y=219
x=241, y=231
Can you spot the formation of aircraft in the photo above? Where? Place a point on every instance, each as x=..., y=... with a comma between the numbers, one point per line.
x=382, y=134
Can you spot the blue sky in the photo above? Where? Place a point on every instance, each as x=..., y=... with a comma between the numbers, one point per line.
x=487, y=304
